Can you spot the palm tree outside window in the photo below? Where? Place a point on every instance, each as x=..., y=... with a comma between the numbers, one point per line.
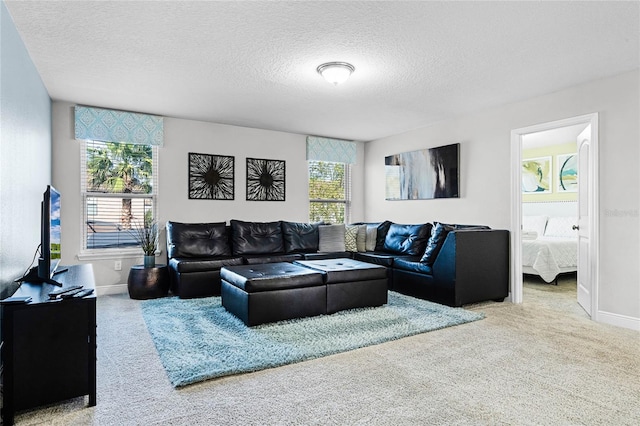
x=119, y=192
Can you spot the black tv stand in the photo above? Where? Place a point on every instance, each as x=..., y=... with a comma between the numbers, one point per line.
x=63, y=331
x=33, y=277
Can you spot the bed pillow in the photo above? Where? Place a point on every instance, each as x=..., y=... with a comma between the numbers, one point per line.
x=535, y=224
x=561, y=227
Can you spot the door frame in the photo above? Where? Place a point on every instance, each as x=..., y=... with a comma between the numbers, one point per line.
x=516, y=203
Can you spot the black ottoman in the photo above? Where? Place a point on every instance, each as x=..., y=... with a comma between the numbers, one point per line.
x=272, y=292
x=351, y=283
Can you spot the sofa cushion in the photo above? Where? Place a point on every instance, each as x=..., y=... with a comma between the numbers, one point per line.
x=300, y=237
x=256, y=237
x=407, y=239
x=190, y=264
x=197, y=239
x=412, y=264
x=377, y=258
x=381, y=234
x=438, y=234
x=257, y=259
x=331, y=238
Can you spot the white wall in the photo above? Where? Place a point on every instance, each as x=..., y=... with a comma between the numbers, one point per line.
x=25, y=154
x=182, y=137
x=485, y=175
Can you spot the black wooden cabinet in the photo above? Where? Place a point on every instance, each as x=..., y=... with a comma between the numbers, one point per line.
x=49, y=347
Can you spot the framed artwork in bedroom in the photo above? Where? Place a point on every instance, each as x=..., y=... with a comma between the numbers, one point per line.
x=567, y=166
x=537, y=175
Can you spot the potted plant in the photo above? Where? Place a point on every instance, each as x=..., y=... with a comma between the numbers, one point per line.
x=147, y=237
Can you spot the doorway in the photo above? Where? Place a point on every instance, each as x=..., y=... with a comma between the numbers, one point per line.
x=587, y=207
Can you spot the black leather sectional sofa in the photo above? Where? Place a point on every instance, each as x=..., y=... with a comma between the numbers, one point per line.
x=448, y=264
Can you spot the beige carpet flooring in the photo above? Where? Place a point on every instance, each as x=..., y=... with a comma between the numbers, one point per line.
x=540, y=363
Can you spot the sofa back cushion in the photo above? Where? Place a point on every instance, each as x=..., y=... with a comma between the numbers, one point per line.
x=407, y=239
x=439, y=232
x=197, y=239
x=300, y=237
x=381, y=234
x=256, y=237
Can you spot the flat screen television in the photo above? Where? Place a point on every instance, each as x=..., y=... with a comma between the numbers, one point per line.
x=50, y=241
x=49, y=237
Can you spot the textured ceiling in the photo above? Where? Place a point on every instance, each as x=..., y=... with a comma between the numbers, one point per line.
x=253, y=63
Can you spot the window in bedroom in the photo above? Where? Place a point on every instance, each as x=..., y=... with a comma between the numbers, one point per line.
x=118, y=192
x=329, y=192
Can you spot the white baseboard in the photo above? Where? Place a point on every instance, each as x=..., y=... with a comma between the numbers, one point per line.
x=619, y=320
x=111, y=289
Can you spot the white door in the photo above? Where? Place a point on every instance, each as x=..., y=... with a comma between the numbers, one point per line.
x=584, y=249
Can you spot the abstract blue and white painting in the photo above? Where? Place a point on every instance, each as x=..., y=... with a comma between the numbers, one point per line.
x=423, y=174
x=567, y=173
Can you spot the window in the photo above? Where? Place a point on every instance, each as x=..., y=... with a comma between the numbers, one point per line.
x=118, y=192
x=329, y=192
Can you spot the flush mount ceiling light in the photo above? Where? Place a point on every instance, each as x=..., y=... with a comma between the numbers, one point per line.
x=336, y=72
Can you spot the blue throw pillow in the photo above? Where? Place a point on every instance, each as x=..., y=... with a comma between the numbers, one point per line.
x=438, y=234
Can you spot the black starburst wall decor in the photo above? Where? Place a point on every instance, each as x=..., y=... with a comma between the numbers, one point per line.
x=265, y=180
x=211, y=177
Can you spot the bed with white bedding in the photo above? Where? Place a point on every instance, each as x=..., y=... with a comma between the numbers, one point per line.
x=549, y=246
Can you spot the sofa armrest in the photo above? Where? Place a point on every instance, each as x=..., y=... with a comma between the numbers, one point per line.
x=475, y=263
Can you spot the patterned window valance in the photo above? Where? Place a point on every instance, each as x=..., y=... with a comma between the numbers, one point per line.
x=332, y=150
x=109, y=125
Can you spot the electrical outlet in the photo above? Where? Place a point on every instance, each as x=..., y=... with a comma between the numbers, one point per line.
x=118, y=265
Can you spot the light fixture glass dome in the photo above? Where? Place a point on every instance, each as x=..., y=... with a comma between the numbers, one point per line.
x=336, y=72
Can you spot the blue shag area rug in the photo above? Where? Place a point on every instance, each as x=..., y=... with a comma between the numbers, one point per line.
x=197, y=339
